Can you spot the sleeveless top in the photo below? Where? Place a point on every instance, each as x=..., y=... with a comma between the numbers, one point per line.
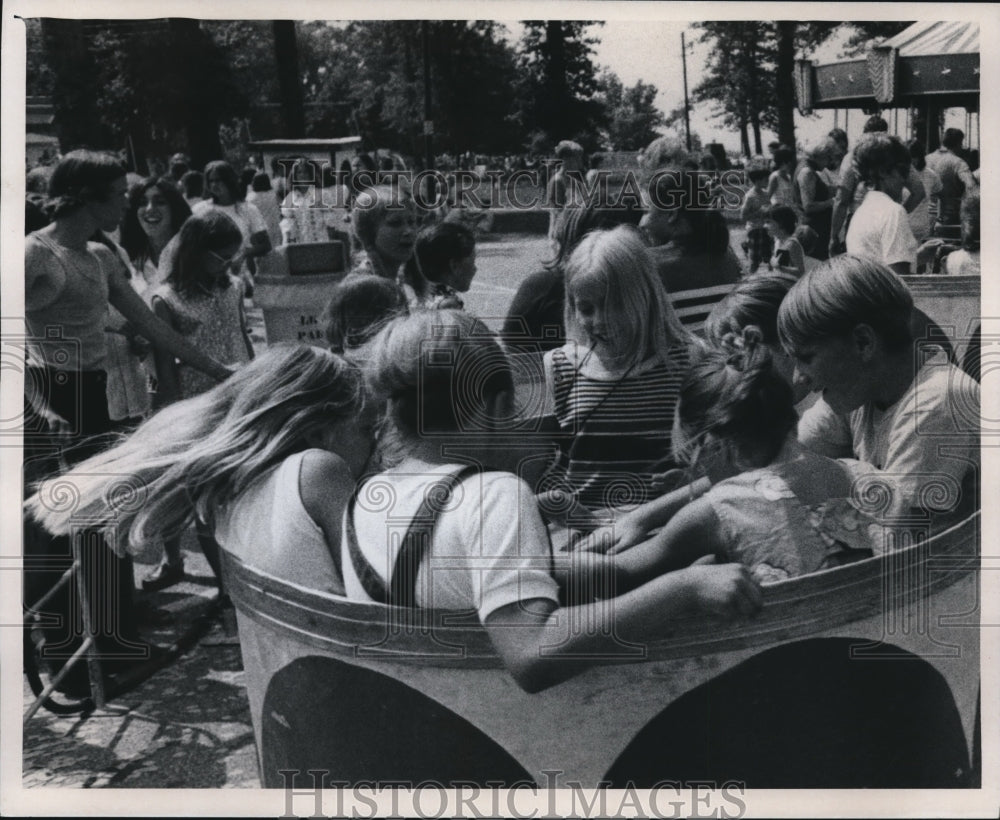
x=66, y=303
x=619, y=427
x=268, y=528
x=772, y=532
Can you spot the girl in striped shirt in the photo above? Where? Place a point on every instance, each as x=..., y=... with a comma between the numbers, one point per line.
x=613, y=386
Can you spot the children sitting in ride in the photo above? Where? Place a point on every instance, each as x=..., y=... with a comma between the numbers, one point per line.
x=612, y=387
x=266, y=461
x=910, y=420
x=776, y=507
x=385, y=226
x=441, y=529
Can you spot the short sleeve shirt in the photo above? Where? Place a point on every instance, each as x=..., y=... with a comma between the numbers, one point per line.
x=489, y=549
x=880, y=231
x=924, y=446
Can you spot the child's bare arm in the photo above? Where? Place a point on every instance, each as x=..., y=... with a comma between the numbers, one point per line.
x=542, y=645
x=798, y=259
x=326, y=485
x=772, y=185
x=635, y=526
x=168, y=388
x=692, y=533
x=751, y=209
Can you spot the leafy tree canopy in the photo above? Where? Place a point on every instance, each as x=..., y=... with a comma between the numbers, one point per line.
x=631, y=116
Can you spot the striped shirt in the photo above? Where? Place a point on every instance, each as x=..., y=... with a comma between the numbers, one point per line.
x=618, y=425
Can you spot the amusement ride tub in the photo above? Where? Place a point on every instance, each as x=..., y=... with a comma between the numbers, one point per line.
x=862, y=675
x=866, y=675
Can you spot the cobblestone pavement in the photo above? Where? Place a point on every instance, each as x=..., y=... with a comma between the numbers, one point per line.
x=187, y=726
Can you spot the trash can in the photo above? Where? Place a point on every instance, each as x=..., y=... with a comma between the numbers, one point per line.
x=293, y=286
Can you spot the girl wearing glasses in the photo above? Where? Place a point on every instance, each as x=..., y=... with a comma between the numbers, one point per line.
x=226, y=195
x=202, y=299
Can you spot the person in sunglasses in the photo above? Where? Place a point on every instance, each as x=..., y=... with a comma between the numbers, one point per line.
x=202, y=299
x=225, y=194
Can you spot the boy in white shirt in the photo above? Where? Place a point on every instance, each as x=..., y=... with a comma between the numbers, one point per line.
x=880, y=229
x=911, y=421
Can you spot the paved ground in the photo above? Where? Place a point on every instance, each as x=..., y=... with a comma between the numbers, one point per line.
x=501, y=264
x=186, y=727
x=189, y=725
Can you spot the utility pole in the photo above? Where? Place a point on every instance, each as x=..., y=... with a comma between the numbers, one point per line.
x=687, y=120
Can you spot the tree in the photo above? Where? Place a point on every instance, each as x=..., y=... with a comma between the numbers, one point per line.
x=674, y=123
x=39, y=77
x=739, y=77
x=558, y=79
x=368, y=77
x=286, y=55
x=473, y=79
x=750, y=72
x=631, y=115
x=248, y=50
x=149, y=86
x=74, y=83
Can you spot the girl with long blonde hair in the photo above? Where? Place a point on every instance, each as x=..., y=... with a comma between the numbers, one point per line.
x=265, y=462
x=613, y=386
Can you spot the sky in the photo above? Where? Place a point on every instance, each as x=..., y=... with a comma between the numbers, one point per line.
x=651, y=51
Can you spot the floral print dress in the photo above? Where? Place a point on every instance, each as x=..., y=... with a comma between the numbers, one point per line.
x=771, y=531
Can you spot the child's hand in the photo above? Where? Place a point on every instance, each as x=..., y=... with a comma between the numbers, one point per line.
x=928, y=253
x=726, y=590
x=626, y=532
x=449, y=302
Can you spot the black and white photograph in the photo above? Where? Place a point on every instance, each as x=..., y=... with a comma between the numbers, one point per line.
x=420, y=409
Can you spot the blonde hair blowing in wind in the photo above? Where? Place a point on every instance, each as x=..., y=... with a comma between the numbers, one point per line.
x=636, y=302
x=200, y=453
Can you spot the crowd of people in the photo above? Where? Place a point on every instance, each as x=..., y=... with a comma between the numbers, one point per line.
x=653, y=448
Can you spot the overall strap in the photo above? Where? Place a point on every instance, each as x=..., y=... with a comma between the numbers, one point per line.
x=370, y=581
x=402, y=588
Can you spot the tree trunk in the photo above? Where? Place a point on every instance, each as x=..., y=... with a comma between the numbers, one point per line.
x=744, y=137
x=752, y=68
x=73, y=99
x=201, y=123
x=286, y=55
x=785, y=82
x=556, y=112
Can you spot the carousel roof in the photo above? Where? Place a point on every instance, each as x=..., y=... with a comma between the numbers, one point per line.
x=934, y=61
x=928, y=38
